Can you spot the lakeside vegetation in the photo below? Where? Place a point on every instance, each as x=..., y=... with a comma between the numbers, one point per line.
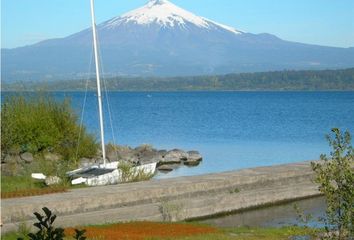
x=335, y=177
x=38, y=123
x=307, y=80
x=39, y=134
x=42, y=135
x=24, y=186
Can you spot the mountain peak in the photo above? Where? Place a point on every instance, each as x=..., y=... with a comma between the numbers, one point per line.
x=165, y=14
x=157, y=2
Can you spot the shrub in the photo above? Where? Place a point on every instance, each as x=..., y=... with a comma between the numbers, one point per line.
x=46, y=229
x=335, y=176
x=36, y=123
x=128, y=173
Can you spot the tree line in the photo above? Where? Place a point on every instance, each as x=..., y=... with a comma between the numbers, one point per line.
x=307, y=80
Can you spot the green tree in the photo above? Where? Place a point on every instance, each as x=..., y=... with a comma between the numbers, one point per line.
x=335, y=177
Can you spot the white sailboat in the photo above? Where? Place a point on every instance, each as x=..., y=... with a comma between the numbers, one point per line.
x=104, y=173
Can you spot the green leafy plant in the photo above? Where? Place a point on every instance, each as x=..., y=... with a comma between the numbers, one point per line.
x=37, y=123
x=46, y=229
x=80, y=234
x=335, y=176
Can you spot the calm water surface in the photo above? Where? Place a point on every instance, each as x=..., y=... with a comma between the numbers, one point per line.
x=232, y=130
x=275, y=216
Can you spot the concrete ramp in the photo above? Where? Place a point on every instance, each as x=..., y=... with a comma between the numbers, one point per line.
x=167, y=199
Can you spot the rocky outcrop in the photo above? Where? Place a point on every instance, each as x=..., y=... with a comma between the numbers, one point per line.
x=190, y=163
x=147, y=154
x=12, y=159
x=167, y=160
x=27, y=157
x=11, y=165
x=194, y=158
x=11, y=169
x=166, y=168
x=15, y=163
x=175, y=156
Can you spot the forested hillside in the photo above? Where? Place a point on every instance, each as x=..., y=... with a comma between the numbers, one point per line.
x=271, y=81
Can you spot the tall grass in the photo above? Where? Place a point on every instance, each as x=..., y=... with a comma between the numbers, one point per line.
x=129, y=173
x=23, y=186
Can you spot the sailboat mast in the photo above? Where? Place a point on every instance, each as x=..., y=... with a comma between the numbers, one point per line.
x=99, y=95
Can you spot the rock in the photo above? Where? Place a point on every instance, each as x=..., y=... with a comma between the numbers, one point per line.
x=120, y=153
x=175, y=156
x=191, y=163
x=12, y=159
x=11, y=169
x=168, y=167
x=146, y=154
x=52, y=180
x=126, y=154
x=194, y=156
x=112, y=156
x=162, y=153
x=3, y=155
x=52, y=157
x=165, y=168
x=149, y=157
x=112, y=152
x=6, y=169
x=14, y=151
x=27, y=157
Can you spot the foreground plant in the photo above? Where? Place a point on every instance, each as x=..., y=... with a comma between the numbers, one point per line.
x=335, y=176
x=46, y=229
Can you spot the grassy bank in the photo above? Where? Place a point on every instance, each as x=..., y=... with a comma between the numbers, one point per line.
x=180, y=231
x=24, y=186
x=40, y=135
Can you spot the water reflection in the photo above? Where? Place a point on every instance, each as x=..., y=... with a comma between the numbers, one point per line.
x=274, y=216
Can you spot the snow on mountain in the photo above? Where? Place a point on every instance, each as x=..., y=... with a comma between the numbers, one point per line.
x=166, y=14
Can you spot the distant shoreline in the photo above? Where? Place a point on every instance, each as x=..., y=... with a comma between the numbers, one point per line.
x=277, y=81
x=179, y=91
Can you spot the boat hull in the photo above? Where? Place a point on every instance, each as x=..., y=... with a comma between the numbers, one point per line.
x=107, y=175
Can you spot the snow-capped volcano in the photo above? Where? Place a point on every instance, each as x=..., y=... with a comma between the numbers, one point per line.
x=166, y=14
x=163, y=39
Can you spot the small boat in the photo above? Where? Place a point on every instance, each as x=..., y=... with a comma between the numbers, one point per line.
x=105, y=173
x=108, y=174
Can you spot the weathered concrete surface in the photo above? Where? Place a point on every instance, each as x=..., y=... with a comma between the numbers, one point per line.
x=176, y=199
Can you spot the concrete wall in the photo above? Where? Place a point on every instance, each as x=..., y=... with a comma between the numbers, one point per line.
x=167, y=199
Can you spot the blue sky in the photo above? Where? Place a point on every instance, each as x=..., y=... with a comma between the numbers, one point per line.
x=323, y=22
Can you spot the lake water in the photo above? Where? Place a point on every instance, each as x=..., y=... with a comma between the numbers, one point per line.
x=232, y=130
x=275, y=216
